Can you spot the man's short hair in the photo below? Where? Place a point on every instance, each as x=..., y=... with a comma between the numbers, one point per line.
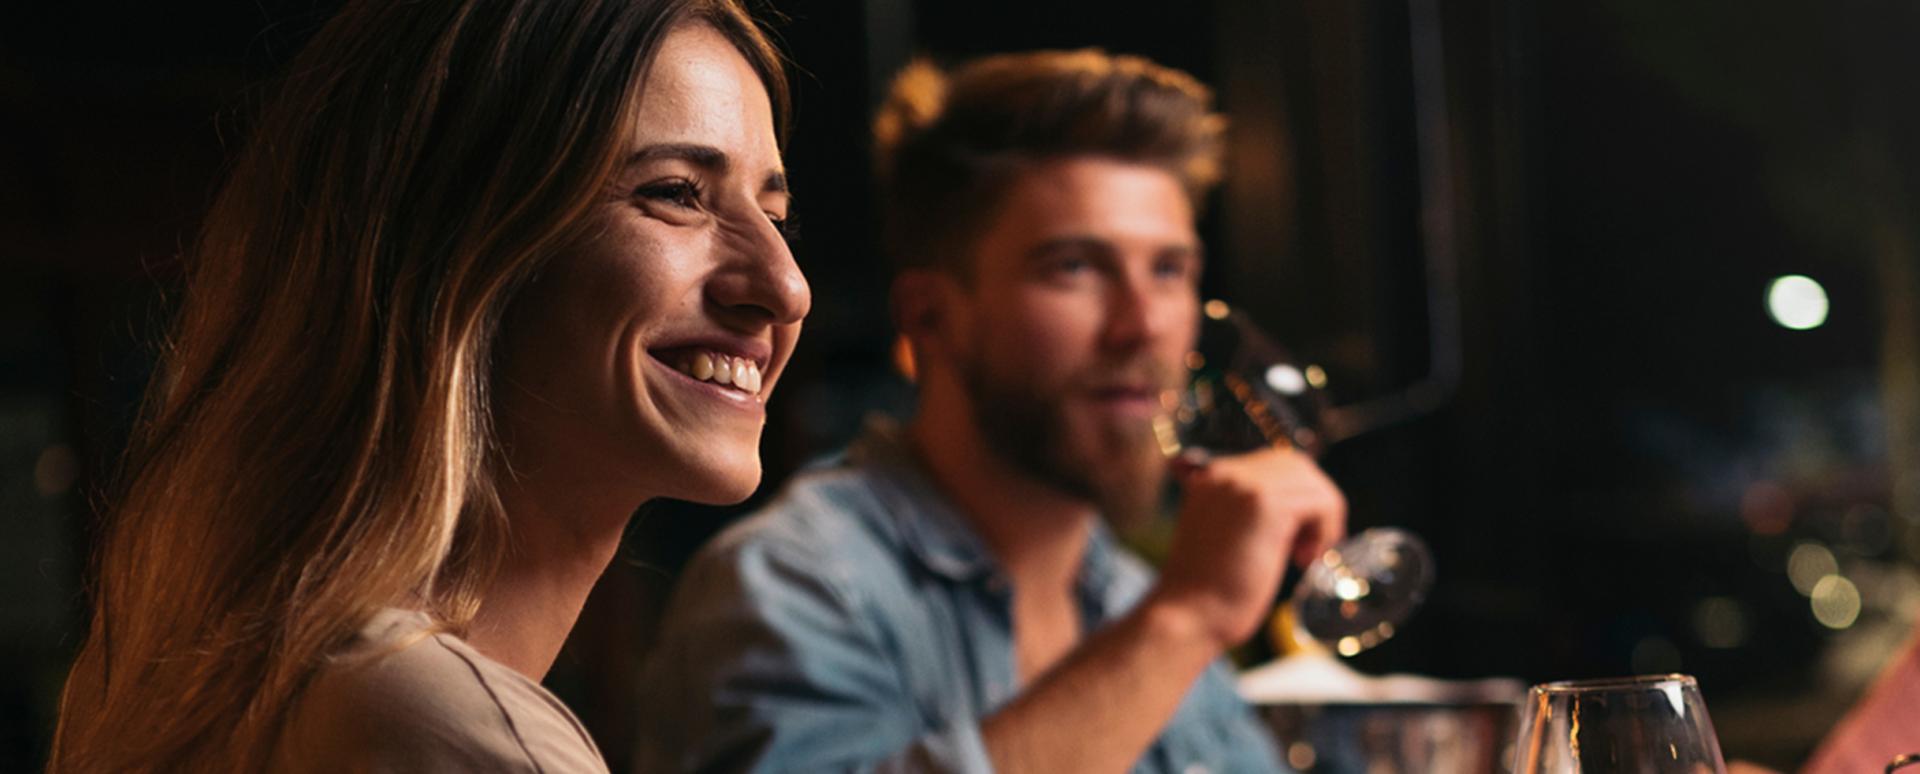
x=947, y=143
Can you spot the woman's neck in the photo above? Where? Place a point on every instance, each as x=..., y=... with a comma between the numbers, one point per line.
x=560, y=540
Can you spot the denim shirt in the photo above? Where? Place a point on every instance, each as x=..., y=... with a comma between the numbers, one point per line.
x=859, y=624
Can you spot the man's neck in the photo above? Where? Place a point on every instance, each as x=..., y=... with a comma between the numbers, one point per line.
x=1036, y=532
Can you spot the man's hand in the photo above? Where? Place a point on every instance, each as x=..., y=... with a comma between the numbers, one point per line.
x=1242, y=517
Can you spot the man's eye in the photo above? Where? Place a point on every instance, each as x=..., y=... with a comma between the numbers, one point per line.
x=679, y=193
x=1071, y=265
x=1171, y=268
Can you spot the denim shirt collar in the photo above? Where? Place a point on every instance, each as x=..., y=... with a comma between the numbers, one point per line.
x=938, y=535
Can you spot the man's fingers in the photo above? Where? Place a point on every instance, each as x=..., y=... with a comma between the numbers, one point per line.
x=1308, y=543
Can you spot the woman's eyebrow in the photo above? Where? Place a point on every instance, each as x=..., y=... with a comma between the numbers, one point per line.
x=704, y=156
x=711, y=159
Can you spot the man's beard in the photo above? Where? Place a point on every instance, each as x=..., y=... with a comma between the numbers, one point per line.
x=1116, y=463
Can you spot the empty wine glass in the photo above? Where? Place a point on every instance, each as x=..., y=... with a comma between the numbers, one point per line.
x=1655, y=725
x=1354, y=595
x=1246, y=392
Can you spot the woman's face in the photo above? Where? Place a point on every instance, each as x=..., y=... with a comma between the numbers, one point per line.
x=642, y=357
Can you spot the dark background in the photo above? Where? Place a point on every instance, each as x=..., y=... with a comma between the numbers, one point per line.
x=1535, y=236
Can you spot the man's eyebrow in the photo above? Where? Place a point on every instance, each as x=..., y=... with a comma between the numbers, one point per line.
x=1079, y=242
x=1065, y=243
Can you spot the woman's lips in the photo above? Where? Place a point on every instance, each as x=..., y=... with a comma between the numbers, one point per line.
x=729, y=374
x=739, y=373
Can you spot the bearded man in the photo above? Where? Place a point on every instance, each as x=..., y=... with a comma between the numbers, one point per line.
x=948, y=595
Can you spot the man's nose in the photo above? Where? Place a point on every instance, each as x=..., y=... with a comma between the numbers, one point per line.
x=763, y=279
x=1136, y=315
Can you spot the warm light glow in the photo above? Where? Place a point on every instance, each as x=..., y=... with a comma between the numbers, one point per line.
x=1797, y=302
x=1767, y=508
x=1317, y=377
x=1300, y=756
x=1808, y=563
x=1217, y=309
x=1655, y=655
x=1196, y=361
x=1286, y=379
x=1350, y=588
x=1348, y=646
x=1836, y=602
x=903, y=359
x=55, y=470
x=1721, y=622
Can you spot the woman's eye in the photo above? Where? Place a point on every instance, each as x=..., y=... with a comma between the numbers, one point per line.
x=679, y=193
x=787, y=225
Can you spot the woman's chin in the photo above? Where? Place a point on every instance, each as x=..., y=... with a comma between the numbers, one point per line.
x=720, y=485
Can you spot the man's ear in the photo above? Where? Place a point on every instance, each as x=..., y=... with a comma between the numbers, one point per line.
x=922, y=304
x=927, y=312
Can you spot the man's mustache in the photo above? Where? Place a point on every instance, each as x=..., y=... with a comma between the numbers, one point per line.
x=1141, y=372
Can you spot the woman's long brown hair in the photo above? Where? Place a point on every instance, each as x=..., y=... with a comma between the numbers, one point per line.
x=317, y=444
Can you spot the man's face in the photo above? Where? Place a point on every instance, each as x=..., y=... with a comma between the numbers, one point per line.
x=1083, y=305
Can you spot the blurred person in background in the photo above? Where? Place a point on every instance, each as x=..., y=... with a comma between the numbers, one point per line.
x=948, y=595
x=489, y=276
x=1884, y=724
x=1882, y=728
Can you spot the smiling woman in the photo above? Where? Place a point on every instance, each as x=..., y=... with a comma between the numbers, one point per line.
x=490, y=275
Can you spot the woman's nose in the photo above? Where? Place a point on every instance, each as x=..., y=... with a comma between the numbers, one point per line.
x=762, y=277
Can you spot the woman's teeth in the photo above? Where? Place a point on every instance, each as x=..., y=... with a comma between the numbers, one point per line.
x=733, y=372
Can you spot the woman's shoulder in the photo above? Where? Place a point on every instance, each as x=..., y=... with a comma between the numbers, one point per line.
x=405, y=697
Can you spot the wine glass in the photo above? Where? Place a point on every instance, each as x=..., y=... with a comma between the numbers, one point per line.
x=1354, y=594
x=1246, y=392
x=1656, y=724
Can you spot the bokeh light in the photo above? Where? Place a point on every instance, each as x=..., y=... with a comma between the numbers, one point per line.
x=1720, y=622
x=1797, y=302
x=1655, y=655
x=1317, y=377
x=1808, y=564
x=1836, y=602
x=1286, y=379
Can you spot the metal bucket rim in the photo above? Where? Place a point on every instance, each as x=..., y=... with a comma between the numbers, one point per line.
x=1490, y=704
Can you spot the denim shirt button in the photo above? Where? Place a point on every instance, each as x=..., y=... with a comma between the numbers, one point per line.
x=1196, y=768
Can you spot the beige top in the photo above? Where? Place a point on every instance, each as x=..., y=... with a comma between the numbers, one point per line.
x=399, y=699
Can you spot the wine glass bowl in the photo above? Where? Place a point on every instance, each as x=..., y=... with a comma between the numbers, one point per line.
x=1655, y=724
x=1246, y=392
x=1357, y=592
